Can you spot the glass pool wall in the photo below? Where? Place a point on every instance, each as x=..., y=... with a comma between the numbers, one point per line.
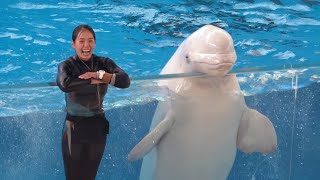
x=30, y=140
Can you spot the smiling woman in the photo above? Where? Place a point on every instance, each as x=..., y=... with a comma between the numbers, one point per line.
x=85, y=78
x=84, y=42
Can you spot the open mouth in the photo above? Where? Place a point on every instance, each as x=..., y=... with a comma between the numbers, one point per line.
x=86, y=52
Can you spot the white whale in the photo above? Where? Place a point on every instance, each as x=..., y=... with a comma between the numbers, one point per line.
x=195, y=133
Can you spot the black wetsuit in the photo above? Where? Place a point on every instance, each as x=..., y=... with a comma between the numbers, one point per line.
x=86, y=127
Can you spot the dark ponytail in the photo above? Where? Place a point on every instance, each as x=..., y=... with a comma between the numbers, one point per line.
x=79, y=28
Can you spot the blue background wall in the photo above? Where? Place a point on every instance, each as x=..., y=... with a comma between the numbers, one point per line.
x=30, y=144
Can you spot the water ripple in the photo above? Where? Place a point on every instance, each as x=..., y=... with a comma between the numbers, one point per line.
x=15, y=36
x=9, y=52
x=43, y=43
x=271, y=6
x=9, y=68
x=30, y=6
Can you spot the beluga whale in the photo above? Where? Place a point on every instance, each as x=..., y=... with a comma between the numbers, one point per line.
x=196, y=131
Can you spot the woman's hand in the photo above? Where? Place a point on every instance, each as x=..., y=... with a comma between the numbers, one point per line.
x=88, y=75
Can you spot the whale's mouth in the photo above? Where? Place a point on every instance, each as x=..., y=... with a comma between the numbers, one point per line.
x=222, y=65
x=216, y=69
x=215, y=64
x=213, y=59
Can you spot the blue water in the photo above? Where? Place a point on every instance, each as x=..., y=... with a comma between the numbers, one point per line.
x=270, y=36
x=141, y=37
x=35, y=35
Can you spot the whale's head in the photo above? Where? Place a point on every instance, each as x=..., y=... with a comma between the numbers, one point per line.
x=211, y=51
x=208, y=50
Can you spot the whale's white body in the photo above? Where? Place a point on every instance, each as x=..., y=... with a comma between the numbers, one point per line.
x=195, y=133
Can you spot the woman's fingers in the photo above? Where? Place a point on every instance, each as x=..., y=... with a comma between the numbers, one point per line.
x=88, y=75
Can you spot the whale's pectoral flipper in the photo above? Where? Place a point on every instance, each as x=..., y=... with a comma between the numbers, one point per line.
x=256, y=133
x=150, y=140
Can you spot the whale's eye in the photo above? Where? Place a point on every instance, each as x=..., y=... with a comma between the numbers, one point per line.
x=187, y=59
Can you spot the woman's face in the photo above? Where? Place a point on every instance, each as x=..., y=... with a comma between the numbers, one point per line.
x=84, y=44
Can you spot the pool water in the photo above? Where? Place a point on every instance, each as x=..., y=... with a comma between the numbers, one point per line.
x=141, y=37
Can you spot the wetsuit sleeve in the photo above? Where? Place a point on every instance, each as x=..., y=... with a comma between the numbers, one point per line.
x=122, y=79
x=66, y=81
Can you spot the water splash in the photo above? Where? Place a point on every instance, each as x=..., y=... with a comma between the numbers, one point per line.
x=295, y=88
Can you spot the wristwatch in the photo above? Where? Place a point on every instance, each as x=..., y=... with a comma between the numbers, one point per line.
x=100, y=74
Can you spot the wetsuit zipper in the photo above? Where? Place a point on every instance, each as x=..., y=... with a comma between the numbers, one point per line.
x=98, y=95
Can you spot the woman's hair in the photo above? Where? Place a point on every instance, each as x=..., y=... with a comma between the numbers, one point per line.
x=79, y=28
